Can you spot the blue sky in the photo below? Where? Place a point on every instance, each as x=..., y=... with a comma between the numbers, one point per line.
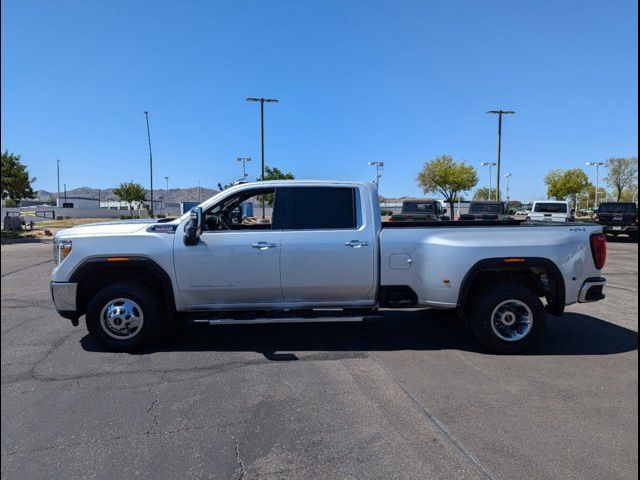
x=358, y=80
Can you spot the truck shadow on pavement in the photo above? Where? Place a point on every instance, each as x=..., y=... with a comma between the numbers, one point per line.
x=572, y=334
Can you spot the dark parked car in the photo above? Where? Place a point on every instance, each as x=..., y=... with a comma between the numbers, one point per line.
x=618, y=218
x=420, y=211
x=487, y=210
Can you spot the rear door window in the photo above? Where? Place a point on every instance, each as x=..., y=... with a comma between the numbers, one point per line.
x=551, y=208
x=618, y=208
x=320, y=208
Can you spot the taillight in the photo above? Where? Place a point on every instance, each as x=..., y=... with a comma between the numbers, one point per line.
x=599, y=249
x=596, y=217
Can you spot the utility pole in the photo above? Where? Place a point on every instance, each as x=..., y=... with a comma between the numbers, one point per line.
x=379, y=166
x=58, y=199
x=597, y=165
x=146, y=115
x=490, y=165
x=244, y=161
x=500, y=113
x=507, y=176
x=262, y=102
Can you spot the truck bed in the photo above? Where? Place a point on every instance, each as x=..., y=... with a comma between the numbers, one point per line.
x=486, y=223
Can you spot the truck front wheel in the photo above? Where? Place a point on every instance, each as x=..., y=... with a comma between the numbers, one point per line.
x=507, y=318
x=125, y=316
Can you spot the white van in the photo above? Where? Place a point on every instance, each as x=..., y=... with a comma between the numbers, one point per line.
x=551, y=211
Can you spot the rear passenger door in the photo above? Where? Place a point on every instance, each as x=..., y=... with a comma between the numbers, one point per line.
x=328, y=247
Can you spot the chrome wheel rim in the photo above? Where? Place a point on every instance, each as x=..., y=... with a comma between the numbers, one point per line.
x=122, y=318
x=512, y=320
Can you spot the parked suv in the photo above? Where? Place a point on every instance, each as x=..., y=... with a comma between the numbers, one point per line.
x=487, y=210
x=420, y=211
x=551, y=211
x=617, y=218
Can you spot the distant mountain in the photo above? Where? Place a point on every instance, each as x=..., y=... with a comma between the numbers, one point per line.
x=174, y=195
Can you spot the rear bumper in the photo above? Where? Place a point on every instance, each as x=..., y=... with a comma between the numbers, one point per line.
x=619, y=228
x=64, y=299
x=591, y=290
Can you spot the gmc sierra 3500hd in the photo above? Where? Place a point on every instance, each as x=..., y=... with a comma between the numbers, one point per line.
x=323, y=255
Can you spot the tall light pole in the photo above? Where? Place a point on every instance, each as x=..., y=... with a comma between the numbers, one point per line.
x=490, y=165
x=508, y=176
x=244, y=161
x=146, y=115
x=500, y=113
x=597, y=165
x=262, y=102
x=58, y=199
x=379, y=166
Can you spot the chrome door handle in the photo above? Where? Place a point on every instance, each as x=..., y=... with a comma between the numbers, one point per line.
x=356, y=243
x=263, y=245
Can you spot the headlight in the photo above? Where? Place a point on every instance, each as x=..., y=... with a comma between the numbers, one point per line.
x=61, y=249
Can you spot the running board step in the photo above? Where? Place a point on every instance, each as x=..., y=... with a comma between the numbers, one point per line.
x=282, y=319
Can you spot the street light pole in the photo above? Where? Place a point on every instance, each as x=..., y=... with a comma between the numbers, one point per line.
x=58, y=199
x=146, y=115
x=597, y=165
x=500, y=113
x=262, y=102
x=244, y=161
x=379, y=166
x=507, y=176
x=490, y=165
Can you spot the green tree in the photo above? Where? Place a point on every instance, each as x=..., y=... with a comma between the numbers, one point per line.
x=590, y=191
x=274, y=173
x=447, y=177
x=629, y=194
x=130, y=192
x=566, y=184
x=623, y=175
x=485, y=194
x=15, y=181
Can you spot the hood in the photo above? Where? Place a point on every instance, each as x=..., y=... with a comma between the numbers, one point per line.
x=106, y=228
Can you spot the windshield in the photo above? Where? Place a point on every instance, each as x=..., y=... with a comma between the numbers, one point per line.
x=617, y=208
x=550, y=208
x=418, y=208
x=485, y=208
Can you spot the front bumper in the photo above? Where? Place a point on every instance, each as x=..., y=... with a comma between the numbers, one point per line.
x=591, y=290
x=64, y=299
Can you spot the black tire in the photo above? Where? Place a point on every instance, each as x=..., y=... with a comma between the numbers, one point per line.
x=149, y=304
x=484, y=306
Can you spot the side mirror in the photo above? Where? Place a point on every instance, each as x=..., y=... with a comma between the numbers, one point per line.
x=193, y=229
x=444, y=211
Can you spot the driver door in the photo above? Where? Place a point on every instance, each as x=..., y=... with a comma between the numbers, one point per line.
x=234, y=266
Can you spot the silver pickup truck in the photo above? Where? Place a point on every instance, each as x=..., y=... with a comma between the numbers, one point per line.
x=322, y=254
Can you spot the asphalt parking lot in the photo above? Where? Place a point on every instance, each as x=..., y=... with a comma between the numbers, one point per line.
x=409, y=397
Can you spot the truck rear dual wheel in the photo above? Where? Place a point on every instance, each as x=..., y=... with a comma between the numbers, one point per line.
x=507, y=318
x=125, y=316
